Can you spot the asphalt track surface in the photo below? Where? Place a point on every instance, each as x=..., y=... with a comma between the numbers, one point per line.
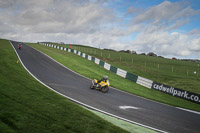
x=156, y=115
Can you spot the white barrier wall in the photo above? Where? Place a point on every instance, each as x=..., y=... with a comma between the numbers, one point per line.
x=83, y=55
x=144, y=82
x=121, y=72
x=107, y=66
x=97, y=61
x=89, y=57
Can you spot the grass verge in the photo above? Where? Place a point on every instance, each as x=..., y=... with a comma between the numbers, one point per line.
x=125, y=125
x=26, y=106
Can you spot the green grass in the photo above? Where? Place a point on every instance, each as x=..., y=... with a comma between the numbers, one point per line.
x=26, y=106
x=179, y=74
x=91, y=70
x=125, y=125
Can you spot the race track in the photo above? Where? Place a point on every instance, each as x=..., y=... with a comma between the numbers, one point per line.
x=159, y=116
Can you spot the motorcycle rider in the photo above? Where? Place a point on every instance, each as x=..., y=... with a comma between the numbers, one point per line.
x=19, y=45
x=105, y=78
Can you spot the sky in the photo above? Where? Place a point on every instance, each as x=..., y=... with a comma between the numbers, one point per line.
x=168, y=28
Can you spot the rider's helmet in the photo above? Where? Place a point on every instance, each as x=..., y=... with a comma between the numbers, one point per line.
x=105, y=77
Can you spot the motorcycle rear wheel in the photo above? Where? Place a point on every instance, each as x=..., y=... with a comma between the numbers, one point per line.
x=104, y=89
x=91, y=86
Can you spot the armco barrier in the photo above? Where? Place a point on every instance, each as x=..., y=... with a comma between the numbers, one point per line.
x=107, y=66
x=193, y=97
x=96, y=61
x=86, y=56
x=79, y=53
x=83, y=55
x=113, y=69
x=93, y=59
x=131, y=77
x=144, y=82
x=101, y=63
x=121, y=72
x=89, y=57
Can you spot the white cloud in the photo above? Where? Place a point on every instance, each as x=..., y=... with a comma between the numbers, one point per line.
x=166, y=44
x=194, y=32
x=166, y=12
x=90, y=22
x=158, y=33
x=195, y=45
x=51, y=16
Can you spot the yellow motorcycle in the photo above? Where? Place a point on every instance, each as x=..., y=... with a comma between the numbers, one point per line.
x=102, y=86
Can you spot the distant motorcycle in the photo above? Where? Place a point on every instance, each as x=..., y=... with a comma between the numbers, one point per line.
x=102, y=86
x=19, y=46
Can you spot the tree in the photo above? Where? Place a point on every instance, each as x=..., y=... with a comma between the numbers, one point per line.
x=152, y=54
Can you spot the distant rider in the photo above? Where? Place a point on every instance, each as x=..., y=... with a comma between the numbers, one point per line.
x=19, y=45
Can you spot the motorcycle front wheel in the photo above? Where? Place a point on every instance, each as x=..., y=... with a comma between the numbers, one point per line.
x=104, y=89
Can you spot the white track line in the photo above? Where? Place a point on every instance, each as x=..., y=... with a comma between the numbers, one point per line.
x=83, y=104
x=196, y=112
x=128, y=107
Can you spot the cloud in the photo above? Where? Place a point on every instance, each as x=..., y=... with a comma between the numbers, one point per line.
x=195, y=45
x=159, y=32
x=72, y=21
x=56, y=16
x=166, y=44
x=194, y=32
x=131, y=10
x=95, y=23
x=165, y=13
